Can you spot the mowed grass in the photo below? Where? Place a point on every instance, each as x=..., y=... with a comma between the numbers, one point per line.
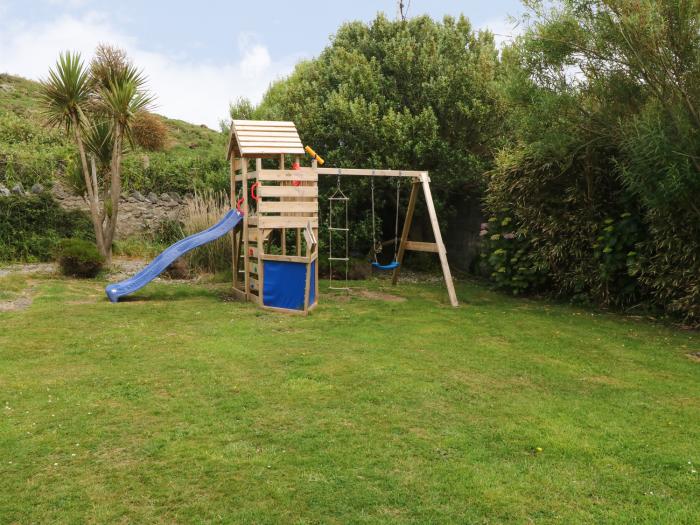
x=182, y=407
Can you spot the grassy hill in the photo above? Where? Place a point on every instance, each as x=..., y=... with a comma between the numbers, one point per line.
x=30, y=152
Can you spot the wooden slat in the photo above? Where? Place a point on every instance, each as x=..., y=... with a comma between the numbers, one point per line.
x=281, y=133
x=287, y=207
x=370, y=173
x=287, y=191
x=303, y=174
x=270, y=150
x=251, y=175
x=273, y=123
x=418, y=246
x=265, y=129
x=268, y=142
x=273, y=221
x=285, y=258
x=238, y=294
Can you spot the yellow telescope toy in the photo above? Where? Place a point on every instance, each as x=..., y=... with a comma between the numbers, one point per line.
x=314, y=155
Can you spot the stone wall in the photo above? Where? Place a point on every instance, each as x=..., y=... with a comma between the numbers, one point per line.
x=137, y=213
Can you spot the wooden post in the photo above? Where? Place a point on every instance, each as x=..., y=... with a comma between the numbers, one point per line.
x=261, y=237
x=233, y=232
x=284, y=230
x=314, y=165
x=246, y=209
x=406, y=229
x=425, y=182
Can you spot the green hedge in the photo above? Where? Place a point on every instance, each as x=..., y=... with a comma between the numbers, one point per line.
x=79, y=258
x=32, y=225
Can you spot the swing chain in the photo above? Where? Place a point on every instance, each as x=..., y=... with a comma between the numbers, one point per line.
x=396, y=221
x=376, y=246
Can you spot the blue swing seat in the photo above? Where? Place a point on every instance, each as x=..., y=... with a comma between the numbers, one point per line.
x=391, y=266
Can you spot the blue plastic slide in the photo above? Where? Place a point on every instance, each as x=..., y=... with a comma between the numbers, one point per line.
x=166, y=258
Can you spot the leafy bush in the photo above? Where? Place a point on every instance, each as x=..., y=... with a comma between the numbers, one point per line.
x=149, y=131
x=615, y=251
x=509, y=260
x=79, y=258
x=32, y=225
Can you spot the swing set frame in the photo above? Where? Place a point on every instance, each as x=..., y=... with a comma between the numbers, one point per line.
x=420, y=181
x=285, y=201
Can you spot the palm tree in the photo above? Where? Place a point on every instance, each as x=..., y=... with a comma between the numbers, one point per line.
x=65, y=97
x=98, y=106
x=121, y=99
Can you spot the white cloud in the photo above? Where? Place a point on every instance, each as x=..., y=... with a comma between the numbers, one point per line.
x=187, y=89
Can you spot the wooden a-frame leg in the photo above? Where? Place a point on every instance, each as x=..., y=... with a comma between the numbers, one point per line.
x=406, y=230
x=442, y=252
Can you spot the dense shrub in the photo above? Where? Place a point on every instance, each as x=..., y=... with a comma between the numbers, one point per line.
x=31, y=226
x=601, y=172
x=168, y=171
x=149, y=131
x=511, y=263
x=79, y=258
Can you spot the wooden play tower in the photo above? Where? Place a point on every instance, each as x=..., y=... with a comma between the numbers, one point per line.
x=275, y=250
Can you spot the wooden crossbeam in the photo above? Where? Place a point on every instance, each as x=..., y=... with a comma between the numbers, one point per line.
x=371, y=173
x=418, y=246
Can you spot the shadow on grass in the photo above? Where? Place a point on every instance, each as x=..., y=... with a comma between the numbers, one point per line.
x=172, y=292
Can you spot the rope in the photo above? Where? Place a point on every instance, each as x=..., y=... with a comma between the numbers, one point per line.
x=396, y=221
x=374, y=235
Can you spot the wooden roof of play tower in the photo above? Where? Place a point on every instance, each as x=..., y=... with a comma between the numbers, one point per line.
x=263, y=138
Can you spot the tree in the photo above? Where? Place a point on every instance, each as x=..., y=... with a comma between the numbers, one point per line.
x=603, y=160
x=97, y=107
x=409, y=94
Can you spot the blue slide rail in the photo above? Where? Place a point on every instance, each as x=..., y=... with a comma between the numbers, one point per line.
x=166, y=258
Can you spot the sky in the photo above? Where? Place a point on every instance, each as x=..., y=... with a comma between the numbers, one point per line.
x=201, y=55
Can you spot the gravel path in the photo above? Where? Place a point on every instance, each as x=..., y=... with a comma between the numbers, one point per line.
x=28, y=268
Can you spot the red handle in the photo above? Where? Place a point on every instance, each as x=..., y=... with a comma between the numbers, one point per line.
x=239, y=202
x=253, y=193
x=296, y=166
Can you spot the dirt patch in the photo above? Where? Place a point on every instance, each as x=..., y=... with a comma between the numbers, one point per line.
x=379, y=296
x=124, y=268
x=23, y=301
x=695, y=356
x=28, y=268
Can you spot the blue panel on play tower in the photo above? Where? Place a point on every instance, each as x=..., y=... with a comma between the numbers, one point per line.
x=285, y=283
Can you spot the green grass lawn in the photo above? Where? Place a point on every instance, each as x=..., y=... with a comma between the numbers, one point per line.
x=182, y=407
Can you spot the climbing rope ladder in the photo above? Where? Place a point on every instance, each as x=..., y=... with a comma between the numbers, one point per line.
x=338, y=200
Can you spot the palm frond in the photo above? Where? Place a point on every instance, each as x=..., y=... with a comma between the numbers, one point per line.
x=66, y=92
x=99, y=141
